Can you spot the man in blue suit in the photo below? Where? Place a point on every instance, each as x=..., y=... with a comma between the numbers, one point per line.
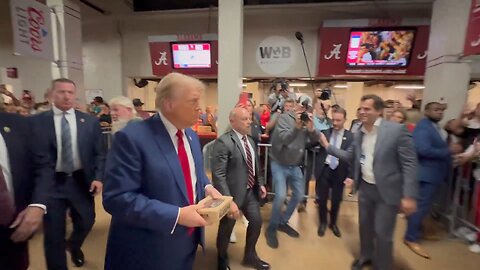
x=154, y=180
x=74, y=142
x=25, y=180
x=434, y=159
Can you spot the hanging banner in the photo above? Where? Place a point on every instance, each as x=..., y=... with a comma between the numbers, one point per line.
x=472, y=41
x=31, y=25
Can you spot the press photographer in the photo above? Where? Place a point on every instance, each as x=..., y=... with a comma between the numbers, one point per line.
x=288, y=147
x=280, y=93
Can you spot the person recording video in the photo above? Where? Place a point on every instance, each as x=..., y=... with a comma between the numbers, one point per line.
x=277, y=98
x=288, y=147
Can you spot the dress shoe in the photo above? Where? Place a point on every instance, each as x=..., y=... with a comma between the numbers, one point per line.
x=417, y=249
x=335, y=230
x=271, y=236
x=77, y=256
x=288, y=230
x=223, y=264
x=256, y=263
x=358, y=264
x=321, y=229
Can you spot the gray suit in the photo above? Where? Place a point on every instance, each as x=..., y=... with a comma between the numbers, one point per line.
x=230, y=177
x=394, y=169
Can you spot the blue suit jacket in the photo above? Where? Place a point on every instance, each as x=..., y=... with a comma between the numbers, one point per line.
x=434, y=157
x=144, y=188
x=90, y=143
x=30, y=164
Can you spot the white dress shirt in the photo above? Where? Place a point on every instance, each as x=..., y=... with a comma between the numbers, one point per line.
x=338, y=142
x=368, y=151
x=252, y=151
x=440, y=131
x=7, y=173
x=172, y=132
x=72, y=122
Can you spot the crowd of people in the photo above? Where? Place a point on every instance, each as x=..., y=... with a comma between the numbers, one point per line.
x=395, y=158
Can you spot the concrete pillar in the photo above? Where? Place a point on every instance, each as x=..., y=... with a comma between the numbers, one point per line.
x=446, y=77
x=230, y=64
x=67, y=43
x=353, y=94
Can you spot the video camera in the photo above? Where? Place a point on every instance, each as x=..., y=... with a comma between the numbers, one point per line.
x=326, y=93
x=306, y=104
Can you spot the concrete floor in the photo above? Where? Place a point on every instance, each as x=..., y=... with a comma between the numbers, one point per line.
x=309, y=252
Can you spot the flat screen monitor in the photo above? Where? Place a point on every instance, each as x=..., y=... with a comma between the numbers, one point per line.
x=191, y=55
x=380, y=47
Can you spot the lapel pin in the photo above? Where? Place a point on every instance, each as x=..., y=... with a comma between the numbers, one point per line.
x=344, y=138
x=82, y=120
x=190, y=138
x=6, y=129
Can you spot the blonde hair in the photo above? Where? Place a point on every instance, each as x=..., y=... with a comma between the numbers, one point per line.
x=173, y=80
x=125, y=102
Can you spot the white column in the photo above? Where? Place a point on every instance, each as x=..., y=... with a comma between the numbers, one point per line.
x=230, y=64
x=446, y=77
x=67, y=27
x=352, y=100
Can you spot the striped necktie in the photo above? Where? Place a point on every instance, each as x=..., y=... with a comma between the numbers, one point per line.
x=251, y=174
x=67, y=151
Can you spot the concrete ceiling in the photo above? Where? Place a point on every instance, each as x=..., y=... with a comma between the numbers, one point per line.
x=326, y=10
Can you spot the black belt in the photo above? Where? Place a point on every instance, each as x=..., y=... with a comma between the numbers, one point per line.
x=64, y=174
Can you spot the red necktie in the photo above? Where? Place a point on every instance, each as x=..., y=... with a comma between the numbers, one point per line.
x=251, y=175
x=183, y=158
x=7, y=206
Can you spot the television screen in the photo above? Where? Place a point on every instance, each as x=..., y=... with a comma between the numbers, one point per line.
x=380, y=48
x=191, y=55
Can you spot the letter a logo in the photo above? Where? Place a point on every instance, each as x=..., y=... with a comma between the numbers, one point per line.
x=335, y=52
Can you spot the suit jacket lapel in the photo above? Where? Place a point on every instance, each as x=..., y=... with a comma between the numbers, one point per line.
x=343, y=146
x=50, y=122
x=238, y=143
x=164, y=142
x=434, y=130
x=80, y=133
x=10, y=137
x=381, y=133
x=197, y=160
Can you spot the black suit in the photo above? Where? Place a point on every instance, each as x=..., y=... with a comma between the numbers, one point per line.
x=328, y=179
x=230, y=177
x=30, y=169
x=71, y=191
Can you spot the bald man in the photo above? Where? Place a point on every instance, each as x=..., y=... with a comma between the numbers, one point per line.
x=235, y=173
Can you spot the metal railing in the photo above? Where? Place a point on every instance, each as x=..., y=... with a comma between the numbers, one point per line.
x=463, y=199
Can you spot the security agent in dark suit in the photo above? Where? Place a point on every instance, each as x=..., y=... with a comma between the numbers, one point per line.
x=330, y=173
x=25, y=180
x=384, y=168
x=75, y=143
x=235, y=173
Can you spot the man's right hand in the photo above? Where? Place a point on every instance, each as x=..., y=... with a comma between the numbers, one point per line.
x=234, y=212
x=189, y=217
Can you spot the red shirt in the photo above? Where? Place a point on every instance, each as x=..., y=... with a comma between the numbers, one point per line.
x=265, y=118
